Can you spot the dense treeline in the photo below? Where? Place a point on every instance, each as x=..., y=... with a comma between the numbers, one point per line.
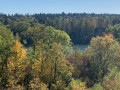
x=80, y=27
x=51, y=64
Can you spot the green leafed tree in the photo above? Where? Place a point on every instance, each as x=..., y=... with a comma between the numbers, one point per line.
x=103, y=53
x=6, y=42
x=40, y=35
x=52, y=67
x=77, y=85
x=112, y=79
x=115, y=30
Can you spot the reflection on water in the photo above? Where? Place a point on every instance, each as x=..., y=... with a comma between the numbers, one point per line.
x=80, y=47
x=76, y=47
x=28, y=47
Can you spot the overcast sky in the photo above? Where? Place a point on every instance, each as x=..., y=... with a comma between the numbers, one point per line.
x=58, y=6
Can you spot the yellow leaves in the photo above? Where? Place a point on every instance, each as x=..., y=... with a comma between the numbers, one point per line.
x=36, y=84
x=17, y=60
x=17, y=46
x=16, y=64
x=21, y=52
x=37, y=66
x=107, y=39
x=77, y=85
x=10, y=65
x=59, y=85
x=103, y=42
x=18, y=57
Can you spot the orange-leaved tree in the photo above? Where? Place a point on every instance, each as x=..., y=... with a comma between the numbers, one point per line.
x=16, y=65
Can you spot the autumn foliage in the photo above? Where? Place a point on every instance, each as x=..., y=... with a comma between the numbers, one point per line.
x=49, y=64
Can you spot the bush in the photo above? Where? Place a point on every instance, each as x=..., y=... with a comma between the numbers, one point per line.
x=77, y=85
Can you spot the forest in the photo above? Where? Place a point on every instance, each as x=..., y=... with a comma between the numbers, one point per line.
x=51, y=63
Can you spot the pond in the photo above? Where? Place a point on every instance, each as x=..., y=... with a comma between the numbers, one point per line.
x=28, y=47
x=76, y=47
x=80, y=47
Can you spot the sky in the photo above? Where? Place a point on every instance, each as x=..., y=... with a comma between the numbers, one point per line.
x=58, y=6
